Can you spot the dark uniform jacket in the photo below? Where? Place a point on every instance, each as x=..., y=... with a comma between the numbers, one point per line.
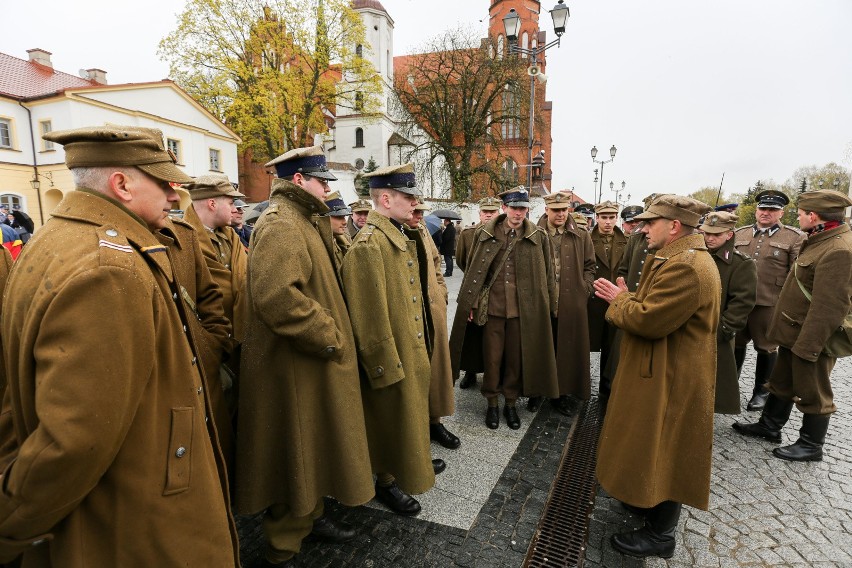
x=606, y=266
x=774, y=252
x=824, y=268
x=536, y=290
x=116, y=459
x=448, y=239
x=738, y=275
x=657, y=438
x=464, y=244
x=633, y=260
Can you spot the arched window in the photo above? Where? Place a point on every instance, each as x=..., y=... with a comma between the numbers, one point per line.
x=534, y=43
x=359, y=50
x=511, y=113
x=500, y=46
x=510, y=171
x=359, y=137
x=525, y=43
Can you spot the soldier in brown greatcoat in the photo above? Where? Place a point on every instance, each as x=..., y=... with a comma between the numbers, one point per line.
x=656, y=443
x=814, y=301
x=509, y=287
x=356, y=222
x=7, y=442
x=774, y=247
x=337, y=219
x=301, y=432
x=609, y=243
x=738, y=275
x=115, y=464
x=489, y=207
x=574, y=272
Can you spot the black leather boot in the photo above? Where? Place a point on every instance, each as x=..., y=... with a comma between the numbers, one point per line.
x=468, y=380
x=512, y=418
x=775, y=414
x=492, y=417
x=739, y=357
x=811, y=438
x=534, y=403
x=439, y=433
x=656, y=538
x=397, y=500
x=328, y=530
x=763, y=370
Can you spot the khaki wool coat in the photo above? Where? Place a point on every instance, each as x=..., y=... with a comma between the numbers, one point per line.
x=385, y=275
x=7, y=442
x=738, y=274
x=442, y=400
x=605, y=267
x=536, y=301
x=115, y=458
x=464, y=244
x=657, y=437
x=301, y=424
x=575, y=287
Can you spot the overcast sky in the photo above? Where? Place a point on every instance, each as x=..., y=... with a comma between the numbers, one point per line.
x=685, y=89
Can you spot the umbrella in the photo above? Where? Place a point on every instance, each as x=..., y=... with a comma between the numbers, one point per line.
x=254, y=213
x=24, y=220
x=446, y=214
x=432, y=223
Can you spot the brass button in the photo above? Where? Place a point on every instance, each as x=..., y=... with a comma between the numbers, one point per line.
x=111, y=233
x=181, y=451
x=380, y=371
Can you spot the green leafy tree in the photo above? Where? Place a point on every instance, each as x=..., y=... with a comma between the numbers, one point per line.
x=362, y=185
x=272, y=69
x=709, y=195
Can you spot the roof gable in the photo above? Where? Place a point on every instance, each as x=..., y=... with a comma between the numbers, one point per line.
x=22, y=79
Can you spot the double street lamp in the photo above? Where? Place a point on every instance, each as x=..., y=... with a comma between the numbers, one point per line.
x=512, y=27
x=602, y=162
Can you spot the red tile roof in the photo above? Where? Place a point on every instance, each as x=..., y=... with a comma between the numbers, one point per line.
x=375, y=4
x=22, y=79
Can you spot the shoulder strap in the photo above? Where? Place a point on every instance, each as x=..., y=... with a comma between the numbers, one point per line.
x=804, y=290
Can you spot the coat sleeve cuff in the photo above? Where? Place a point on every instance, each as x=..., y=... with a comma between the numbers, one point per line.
x=808, y=353
x=382, y=364
x=12, y=548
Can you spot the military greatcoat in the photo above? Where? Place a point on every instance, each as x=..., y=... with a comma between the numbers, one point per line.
x=7, y=443
x=464, y=244
x=301, y=422
x=536, y=301
x=385, y=275
x=607, y=261
x=115, y=456
x=657, y=438
x=738, y=274
x=574, y=284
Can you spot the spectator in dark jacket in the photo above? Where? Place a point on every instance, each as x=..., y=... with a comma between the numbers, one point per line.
x=447, y=247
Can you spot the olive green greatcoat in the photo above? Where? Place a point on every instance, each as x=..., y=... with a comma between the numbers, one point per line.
x=605, y=267
x=536, y=300
x=738, y=274
x=115, y=458
x=575, y=287
x=464, y=244
x=385, y=275
x=7, y=443
x=442, y=400
x=657, y=438
x=301, y=424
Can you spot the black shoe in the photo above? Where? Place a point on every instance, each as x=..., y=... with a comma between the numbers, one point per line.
x=656, y=538
x=447, y=275
x=774, y=416
x=468, y=380
x=811, y=438
x=534, y=403
x=492, y=417
x=512, y=418
x=329, y=530
x=758, y=430
x=758, y=400
x=439, y=465
x=397, y=500
x=439, y=433
x=562, y=405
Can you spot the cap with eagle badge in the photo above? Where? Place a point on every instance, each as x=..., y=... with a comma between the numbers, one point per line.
x=306, y=161
x=210, y=186
x=489, y=204
x=360, y=206
x=516, y=197
x=557, y=200
x=771, y=199
x=400, y=178
x=676, y=207
x=629, y=212
x=718, y=222
x=336, y=206
x=823, y=201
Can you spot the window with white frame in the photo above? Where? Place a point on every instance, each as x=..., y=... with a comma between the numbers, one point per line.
x=5, y=133
x=215, y=162
x=45, y=126
x=174, y=146
x=13, y=201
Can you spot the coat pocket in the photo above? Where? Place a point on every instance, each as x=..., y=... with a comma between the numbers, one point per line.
x=179, y=460
x=646, y=369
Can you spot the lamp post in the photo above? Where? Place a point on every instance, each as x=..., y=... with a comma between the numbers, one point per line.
x=602, y=162
x=512, y=26
x=619, y=193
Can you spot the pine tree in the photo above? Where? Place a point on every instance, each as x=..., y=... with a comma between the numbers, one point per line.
x=362, y=186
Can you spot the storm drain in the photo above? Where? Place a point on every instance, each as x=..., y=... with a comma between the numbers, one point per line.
x=560, y=539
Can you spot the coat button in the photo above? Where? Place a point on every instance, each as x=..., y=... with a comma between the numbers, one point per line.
x=199, y=390
x=419, y=335
x=111, y=233
x=194, y=360
x=416, y=318
x=380, y=371
x=399, y=365
x=184, y=329
x=174, y=296
x=411, y=280
x=414, y=299
x=330, y=349
x=410, y=263
x=181, y=451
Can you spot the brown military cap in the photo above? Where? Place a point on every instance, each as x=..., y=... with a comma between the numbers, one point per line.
x=489, y=204
x=421, y=205
x=104, y=146
x=580, y=219
x=719, y=222
x=360, y=205
x=649, y=200
x=676, y=207
x=606, y=207
x=823, y=200
x=558, y=200
x=211, y=185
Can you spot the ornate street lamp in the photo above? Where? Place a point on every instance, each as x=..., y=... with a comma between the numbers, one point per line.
x=602, y=162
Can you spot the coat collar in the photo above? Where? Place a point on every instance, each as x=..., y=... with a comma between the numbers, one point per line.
x=381, y=223
x=569, y=227
x=825, y=235
x=490, y=228
x=288, y=192
x=726, y=251
x=691, y=242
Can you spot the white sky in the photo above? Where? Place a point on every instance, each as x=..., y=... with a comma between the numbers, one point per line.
x=685, y=89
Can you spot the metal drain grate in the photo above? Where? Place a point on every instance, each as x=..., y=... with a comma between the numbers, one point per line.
x=560, y=539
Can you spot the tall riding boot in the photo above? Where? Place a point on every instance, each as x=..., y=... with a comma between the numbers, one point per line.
x=739, y=357
x=656, y=538
x=762, y=372
x=811, y=438
x=775, y=414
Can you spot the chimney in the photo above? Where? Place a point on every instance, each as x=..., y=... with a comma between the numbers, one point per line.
x=40, y=56
x=97, y=75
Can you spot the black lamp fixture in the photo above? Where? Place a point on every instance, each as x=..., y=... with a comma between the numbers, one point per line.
x=512, y=25
x=35, y=183
x=560, y=16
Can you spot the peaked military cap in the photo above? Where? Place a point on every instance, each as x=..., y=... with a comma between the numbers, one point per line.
x=823, y=200
x=676, y=207
x=580, y=219
x=629, y=212
x=489, y=204
x=211, y=185
x=421, y=205
x=649, y=199
x=99, y=146
x=557, y=200
x=336, y=206
x=719, y=222
x=401, y=178
x=729, y=207
x=308, y=161
x=606, y=207
x=516, y=197
x=586, y=209
x=772, y=199
x=360, y=205
x=240, y=204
